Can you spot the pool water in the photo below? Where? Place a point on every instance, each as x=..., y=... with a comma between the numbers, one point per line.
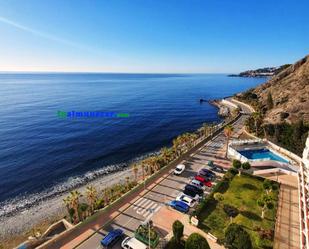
x=261, y=154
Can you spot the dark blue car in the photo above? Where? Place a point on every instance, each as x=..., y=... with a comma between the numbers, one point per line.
x=180, y=206
x=111, y=238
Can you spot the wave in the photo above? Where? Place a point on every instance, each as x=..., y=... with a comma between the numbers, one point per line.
x=18, y=204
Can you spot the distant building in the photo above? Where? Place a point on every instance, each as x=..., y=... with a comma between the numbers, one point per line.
x=304, y=197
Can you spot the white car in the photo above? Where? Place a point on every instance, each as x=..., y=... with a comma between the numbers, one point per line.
x=132, y=243
x=179, y=169
x=186, y=199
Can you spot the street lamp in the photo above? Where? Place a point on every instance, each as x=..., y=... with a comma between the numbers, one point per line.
x=148, y=221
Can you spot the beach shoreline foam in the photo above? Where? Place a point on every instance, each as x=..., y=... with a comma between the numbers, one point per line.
x=20, y=215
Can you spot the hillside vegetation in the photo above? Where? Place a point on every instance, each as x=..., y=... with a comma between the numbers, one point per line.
x=282, y=105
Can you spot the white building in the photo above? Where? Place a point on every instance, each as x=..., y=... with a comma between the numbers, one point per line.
x=304, y=197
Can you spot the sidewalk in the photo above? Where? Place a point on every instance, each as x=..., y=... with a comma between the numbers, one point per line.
x=287, y=233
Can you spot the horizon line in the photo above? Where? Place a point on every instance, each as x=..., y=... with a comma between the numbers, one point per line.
x=102, y=72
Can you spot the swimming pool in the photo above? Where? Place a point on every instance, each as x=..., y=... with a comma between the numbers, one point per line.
x=263, y=154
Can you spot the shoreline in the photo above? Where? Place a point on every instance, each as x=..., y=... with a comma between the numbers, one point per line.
x=53, y=208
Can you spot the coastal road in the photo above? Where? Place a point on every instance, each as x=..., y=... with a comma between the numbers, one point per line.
x=165, y=189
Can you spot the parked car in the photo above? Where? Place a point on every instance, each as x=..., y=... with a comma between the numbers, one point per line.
x=203, y=180
x=180, y=206
x=218, y=169
x=192, y=194
x=197, y=183
x=112, y=237
x=179, y=169
x=207, y=172
x=194, y=189
x=133, y=243
x=186, y=199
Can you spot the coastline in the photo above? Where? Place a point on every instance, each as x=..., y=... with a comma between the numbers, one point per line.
x=52, y=208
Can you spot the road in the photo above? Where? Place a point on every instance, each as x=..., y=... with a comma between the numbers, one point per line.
x=145, y=206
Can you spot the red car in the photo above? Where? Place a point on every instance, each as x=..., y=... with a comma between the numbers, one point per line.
x=203, y=180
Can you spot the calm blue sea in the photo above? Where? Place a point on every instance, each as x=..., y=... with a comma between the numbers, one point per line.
x=42, y=154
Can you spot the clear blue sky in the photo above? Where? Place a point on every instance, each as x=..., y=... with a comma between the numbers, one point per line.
x=151, y=35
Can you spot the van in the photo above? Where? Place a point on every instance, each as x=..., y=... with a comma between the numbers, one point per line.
x=133, y=243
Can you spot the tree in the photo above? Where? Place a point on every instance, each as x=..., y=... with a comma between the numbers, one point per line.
x=218, y=197
x=107, y=196
x=237, y=165
x=267, y=186
x=127, y=182
x=166, y=154
x=231, y=211
x=75, y=195
x=135, y=171
x=256, y=117
x=68, y=202
x=91, y=193
x=246, y=166
x=196, y=241
x=228, y=131
x=270, y=102
x=265, y=202
x=143, y=166
x=178, y=231
x=237, y=238
x=82, y=210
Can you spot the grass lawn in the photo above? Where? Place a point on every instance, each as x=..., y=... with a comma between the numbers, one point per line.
x=242, y=193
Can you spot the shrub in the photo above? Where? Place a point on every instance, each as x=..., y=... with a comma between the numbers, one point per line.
x=237, y=238
x=177, y=231
x=196, y=241
x=233, y=171
x=99, y=204
x=173, y=245
x=221, y=187
x=236, y=164
x=228, y=176
x=230, y=210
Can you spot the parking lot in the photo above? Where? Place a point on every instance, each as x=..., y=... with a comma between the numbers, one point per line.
x=166, y=189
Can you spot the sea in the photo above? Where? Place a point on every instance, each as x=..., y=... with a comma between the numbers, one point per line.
x=43, y=154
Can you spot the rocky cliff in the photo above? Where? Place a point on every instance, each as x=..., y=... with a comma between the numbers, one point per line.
x=285, y=97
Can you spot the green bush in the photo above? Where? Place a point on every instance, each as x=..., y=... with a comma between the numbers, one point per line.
x=196, y=241
x=237, y=238
x=233, y=171
x=178, y=231
x=173, y=245
x=221, y=187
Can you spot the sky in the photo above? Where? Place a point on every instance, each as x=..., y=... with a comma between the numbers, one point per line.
x=151, y=36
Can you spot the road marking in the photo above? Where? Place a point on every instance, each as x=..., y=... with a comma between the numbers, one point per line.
x=140, y=209
x=139, y=203
x=149, y=209
x=148, y=216
x=146, y=208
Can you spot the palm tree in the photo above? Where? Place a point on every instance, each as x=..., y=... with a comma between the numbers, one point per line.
x=228, y=130
x=83, y=208
x=127, y=182
x=106, y=194
x=205, y=129
x=67, y=201
x=166, y=155
x=135, y=171
x=256, y=116
x=91, y=193
x=75, y=195
x=143, y=170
